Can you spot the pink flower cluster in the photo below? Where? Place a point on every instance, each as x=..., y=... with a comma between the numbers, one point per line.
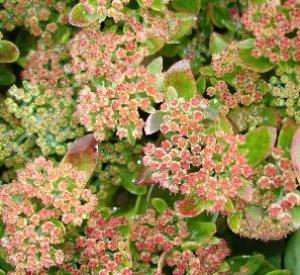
x=37, y=208
x=246, y=92
x=196, y=158
x=35, y=15
x=276, y=30
x=103, y=250
x=206, y=259
x=117, y=108
x=104, y=55
x=158, y=239
x=45, y=67
x=273, y=219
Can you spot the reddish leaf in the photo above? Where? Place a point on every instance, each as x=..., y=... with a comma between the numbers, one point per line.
x=295, y=153
x=188, y=208
x=83, y=154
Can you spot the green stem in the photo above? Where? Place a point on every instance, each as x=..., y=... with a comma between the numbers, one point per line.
x=149, y=194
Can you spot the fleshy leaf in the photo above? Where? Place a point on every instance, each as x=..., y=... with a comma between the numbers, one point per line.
x=259, y=144
x=180, y=77
x=80, y=17
x=153, y=123
x=295, y=212
x=259, y=65
x=234, y=221
x=191, y=6
x=188, y=207
x=295, y=153
x=279, y=272
x=83, y=154
x=6, y=77
x=129, y=182
x=286, y=135
x=156, y=66
x=9, y=52
x=201, y=232
x=292, y=254
x=187, y=21
x=159, y=204
x=217, y=43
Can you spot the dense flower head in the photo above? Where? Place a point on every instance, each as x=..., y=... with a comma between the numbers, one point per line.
x=103, y=249
x=196, y=158
x=45, y=67
x=37, y=208
x=159, y=238
x=15, y=146
x=42, y=18
x=275, y=27
x=269, y=216
x=149, y=25
x=46, y=113
x=104, y=55
x=246, y=93
x=285, y=89
x=117, y=108
x=114, y=8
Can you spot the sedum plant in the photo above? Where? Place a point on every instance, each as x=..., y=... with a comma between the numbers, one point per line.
x=149, y=137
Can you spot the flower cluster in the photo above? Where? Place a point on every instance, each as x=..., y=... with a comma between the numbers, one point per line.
x=269, y=214
x=276, y=30
x=285, y=89
x=42, y=18
x=246, y=92
x=37, y=209
x=117, y=108
x=196, y=158
x=159, y=238
x=104, y=55
x=46, y=113
x=45, y=67
x=103, y=249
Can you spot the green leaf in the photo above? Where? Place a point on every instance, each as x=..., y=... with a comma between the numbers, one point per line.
x=191, y=6
x=159, y=204
x=8, y=52
x=295, y=212
x=83, y=154
x=234, y=221
x=259, y=65
x=217, y=43
x=279, y=272
x=286, y=135
x=249, y=265
x=128, y=182
x=80, y=17
x=154, y=44
x=187, y=21
x=2, y=272
x=156, y=66
x=171, y=93
x=201, y=85
x=6, y=77
x=259, y=144
x=292, y=254
x=201, y=232
x=180, y=77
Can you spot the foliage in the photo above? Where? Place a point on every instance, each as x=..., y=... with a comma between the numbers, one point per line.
x=149, y=137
